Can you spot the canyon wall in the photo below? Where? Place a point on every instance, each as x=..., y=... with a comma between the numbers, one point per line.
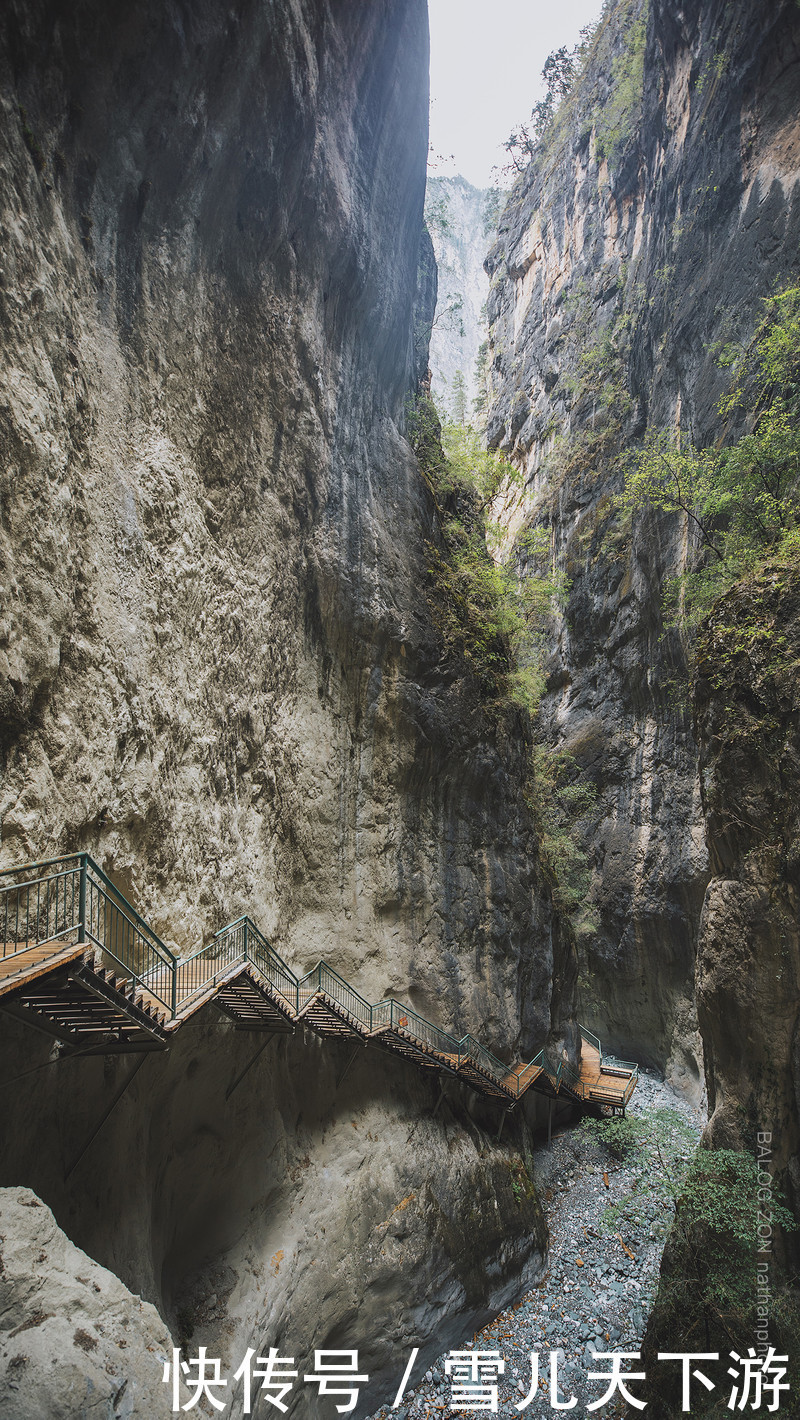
x=748, y=970
x=219, y=672
x=662, y=206
x=459, y=218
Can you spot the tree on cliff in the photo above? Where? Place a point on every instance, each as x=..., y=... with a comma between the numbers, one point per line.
x=741, y=495
x=559, y=72
x=458, y=398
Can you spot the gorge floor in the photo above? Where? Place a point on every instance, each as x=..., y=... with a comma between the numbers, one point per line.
x=599, y=1284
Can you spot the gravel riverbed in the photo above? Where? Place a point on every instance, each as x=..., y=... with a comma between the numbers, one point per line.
x=598, y=1287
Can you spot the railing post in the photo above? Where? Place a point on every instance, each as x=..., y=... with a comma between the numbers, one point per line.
x=174, y=995
x=82, y=900
x=246, y=957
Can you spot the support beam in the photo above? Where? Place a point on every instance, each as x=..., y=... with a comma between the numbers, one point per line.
x=356, y=1049
x=118, y=1096
x=506, y=1111
x=248, y=1066
x=40, y=1023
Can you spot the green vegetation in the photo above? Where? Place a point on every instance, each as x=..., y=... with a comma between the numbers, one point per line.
x=480, y=403
x=615, y=120
x=458, y=398
x=437, y=214
x=614, y=46
x=664, y=1143
x=487, y=611
x=707, y=1293
x=494, y=605
x=522, y=1186
x=741, y=496
x=493, y=204
x=560, y=70
x=561, y=802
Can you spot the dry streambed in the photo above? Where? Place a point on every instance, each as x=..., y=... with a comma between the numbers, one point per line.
x=599, y=1286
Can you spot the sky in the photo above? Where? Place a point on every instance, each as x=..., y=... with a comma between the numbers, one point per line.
x=486, y=64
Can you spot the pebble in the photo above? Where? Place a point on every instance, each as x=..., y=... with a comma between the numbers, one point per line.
x=593, y=1297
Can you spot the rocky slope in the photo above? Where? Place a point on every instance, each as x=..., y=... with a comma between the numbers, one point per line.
x=663, y=204
x=219, y=670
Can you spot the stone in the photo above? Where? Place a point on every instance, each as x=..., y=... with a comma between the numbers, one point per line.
x=73, y=1340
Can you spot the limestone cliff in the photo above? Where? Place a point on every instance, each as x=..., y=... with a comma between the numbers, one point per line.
x=219, y=670
x=458, y=217
x=663, y=203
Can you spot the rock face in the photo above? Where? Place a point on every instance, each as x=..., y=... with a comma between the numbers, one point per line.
x=663, y=205
x=459, y=220
x=219, y=670
x=55, y=1302
x=748, y=968
x=296, y=1209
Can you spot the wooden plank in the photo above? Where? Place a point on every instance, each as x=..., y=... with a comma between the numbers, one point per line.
x=518, y=1084
x=328, y=1017
x=190, y=1005
x=36, y=962
x=248, y=1000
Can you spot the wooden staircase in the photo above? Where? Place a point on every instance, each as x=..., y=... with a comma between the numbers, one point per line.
x=79, y=963
x=70, y=995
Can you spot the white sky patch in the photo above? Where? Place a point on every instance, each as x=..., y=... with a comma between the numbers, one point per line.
x=486, y=66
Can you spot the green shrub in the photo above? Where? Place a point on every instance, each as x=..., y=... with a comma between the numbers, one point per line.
x=741, y=495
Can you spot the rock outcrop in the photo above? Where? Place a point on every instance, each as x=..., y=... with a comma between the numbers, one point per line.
x=664, y=203
x=73, y=1340
x=302, y=1205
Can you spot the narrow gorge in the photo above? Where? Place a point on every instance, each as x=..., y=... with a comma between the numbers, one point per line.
x=229, y=670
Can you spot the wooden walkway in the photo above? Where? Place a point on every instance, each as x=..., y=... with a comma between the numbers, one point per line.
x=100, y=980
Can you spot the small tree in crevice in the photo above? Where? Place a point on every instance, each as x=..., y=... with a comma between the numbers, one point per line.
x=741, y=495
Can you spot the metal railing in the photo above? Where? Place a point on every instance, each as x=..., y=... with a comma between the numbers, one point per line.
x=264, y=956
x=553, y=1070
x=108, y=920
x=520, y=1070
x=613, y=1065
x=631, y=1085
x=71, y=897
x=323, y=978
x=401, y=1018
x=201, y=971
x=483, y=1059
x=42, y=907
x=79, y=901
x=592, y=1039
x=569, y=1075
x=239, y=941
